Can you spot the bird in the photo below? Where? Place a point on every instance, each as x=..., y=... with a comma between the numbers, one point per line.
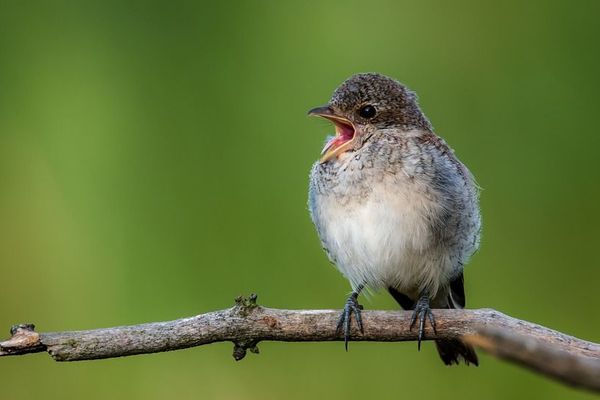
x=393, y=206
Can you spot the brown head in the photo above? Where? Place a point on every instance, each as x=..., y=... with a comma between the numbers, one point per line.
x=364, y=104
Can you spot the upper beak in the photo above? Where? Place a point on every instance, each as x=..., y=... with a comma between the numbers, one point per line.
x=324, y=111
x=344, y=132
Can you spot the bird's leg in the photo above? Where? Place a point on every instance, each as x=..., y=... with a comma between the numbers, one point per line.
x=350, y=307
x=422, y=311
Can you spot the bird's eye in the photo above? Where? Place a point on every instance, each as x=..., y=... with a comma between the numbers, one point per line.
x=367, y=112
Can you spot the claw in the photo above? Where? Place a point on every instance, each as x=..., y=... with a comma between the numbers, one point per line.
x=344, y=322
x=423, y=312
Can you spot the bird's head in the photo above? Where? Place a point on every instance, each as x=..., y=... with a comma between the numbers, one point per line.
x=364, y=104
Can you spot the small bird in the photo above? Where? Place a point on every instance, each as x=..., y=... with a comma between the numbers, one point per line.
x=393, y=206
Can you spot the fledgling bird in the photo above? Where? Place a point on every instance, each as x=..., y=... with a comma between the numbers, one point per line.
x=393, y=206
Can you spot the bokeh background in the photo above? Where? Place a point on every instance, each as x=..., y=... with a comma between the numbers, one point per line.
x=154, y=159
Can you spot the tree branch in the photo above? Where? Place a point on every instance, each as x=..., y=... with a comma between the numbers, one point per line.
x=565, y=358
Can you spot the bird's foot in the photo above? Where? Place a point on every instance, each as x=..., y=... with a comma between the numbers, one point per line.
x=351, y=306
x=422, y=311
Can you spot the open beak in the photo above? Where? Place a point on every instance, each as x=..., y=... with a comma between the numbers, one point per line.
x=344, y=133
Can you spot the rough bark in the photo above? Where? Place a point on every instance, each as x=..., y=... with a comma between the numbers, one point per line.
x=560, y=356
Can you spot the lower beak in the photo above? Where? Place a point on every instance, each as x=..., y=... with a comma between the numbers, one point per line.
x=345, y=133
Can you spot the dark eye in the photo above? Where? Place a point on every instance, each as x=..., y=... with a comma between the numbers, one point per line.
x=367, y=112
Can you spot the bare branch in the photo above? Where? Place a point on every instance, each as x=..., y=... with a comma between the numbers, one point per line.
x=566, y=358
x=536, y=354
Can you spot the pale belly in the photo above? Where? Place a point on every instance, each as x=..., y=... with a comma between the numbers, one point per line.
x=385, y=240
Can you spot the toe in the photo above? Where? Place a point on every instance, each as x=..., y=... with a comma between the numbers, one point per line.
x=431, y=320
x=359, y=320
x=413, y=319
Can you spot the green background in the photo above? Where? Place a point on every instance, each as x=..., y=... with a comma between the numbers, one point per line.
x=154, y=160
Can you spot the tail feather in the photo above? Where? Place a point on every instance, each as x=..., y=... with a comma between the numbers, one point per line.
x=453, y=350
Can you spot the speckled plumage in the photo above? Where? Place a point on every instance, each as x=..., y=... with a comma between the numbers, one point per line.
x=398, y=210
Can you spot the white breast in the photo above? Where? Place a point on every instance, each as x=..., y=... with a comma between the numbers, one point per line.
x=385, y=240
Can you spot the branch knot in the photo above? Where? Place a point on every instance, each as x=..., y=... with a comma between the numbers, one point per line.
x=245, y=305
x=23, y=340
x=240, y=347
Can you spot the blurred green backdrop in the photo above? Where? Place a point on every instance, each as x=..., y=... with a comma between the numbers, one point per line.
x=154, y=160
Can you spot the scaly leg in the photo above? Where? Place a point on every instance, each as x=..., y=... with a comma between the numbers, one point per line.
x=422, y=311
x=351, y=306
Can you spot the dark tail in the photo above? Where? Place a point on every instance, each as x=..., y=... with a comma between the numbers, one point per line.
x=451, y=350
